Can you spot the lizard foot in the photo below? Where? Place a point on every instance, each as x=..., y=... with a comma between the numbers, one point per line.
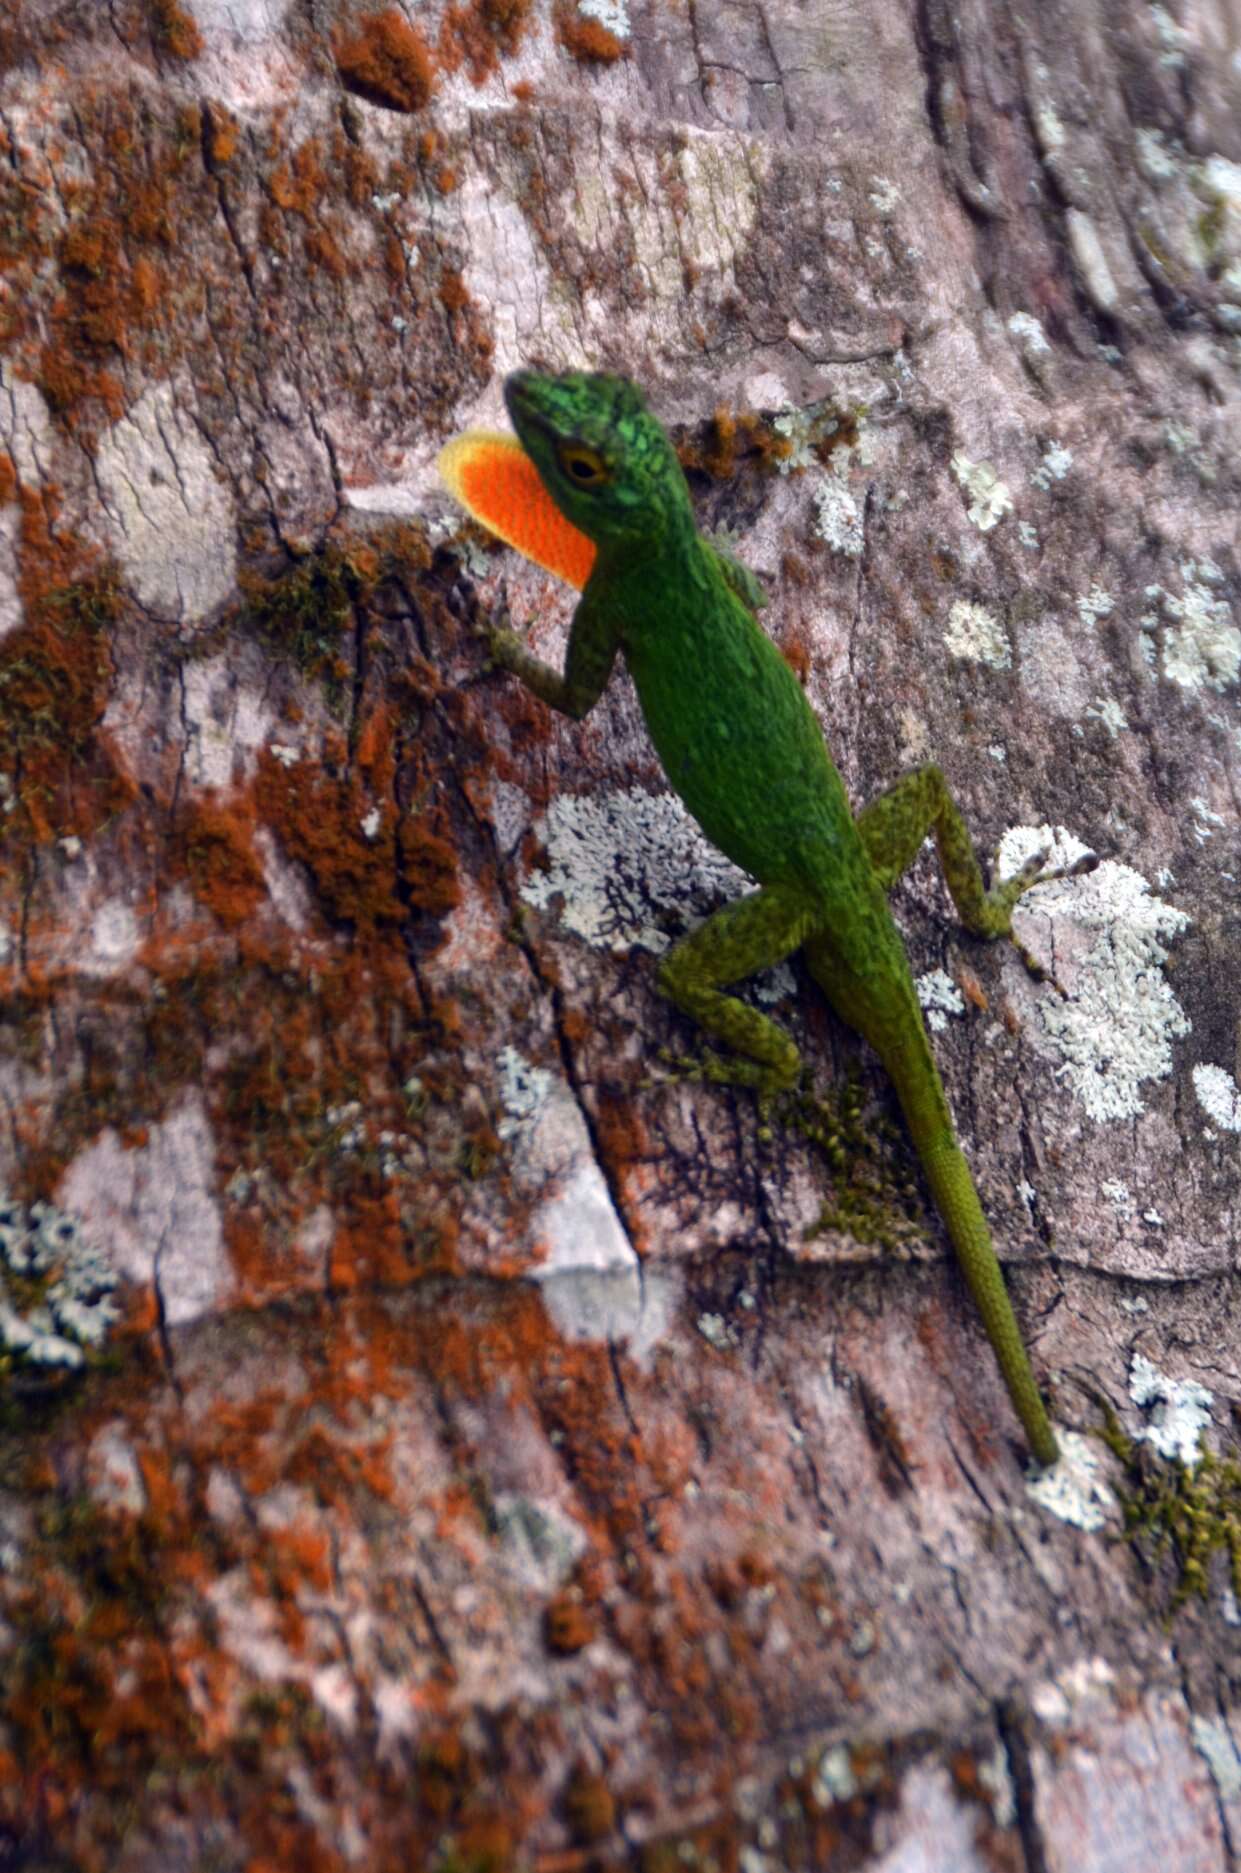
x=493, y=630
x=735, y=1070
x=1037, y=871
x=1005, y=893
x=503, y=643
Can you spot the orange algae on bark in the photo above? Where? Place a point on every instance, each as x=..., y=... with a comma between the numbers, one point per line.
x=115, y=1667
x=298, y=182
x=98, y=294
x=372, y=862
x=215, y=841
x=452, y=291
x=91, y=317
x=55, y=674
x=387, y=62
x=428, y=866
x=175, y=30
x=369, y=1249
x=587, y=40
x=323, y=819
x=127, y=1603
x=478, y=34
x=323, y=250
x=222, y=132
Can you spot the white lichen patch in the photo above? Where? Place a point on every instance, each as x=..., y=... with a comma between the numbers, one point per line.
x=1074, y=1489
x=1181, y=439
x=1026, y=329
x=1201, y=644
x=524, y=1089
x=622, y=862
x=797, y=428
x=716, y=1331
x=1048, y=126
x=171, y=519
x=243, y=22
x=1153, y=156
x=506, y=269
x=541, y=1544
x=1219, y=1097
x=1220, y=178
x=56, y=1291
x=1082, y=1689
x=976, y=635
x=349, y=1130
x=1180, y=1411
x=1054, y=466
x=1120, y=1197
x=1114, y=1032
x=993, y=1773
x=611, y=14
x=989, y=498
x=1098, y=603
x=940, y=997
x=1206, y=821
x=883, y=196
x=836, y=1778
x=839, y=520
x=1107, y=710
x=1214, y=1742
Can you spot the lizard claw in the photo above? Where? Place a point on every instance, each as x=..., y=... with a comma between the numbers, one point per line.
x=1006, y=892
x=492, y=628
x=1085, y=862
x=496, y=633
x=677, y=1068
x=1035, y=870
x=731, y=1070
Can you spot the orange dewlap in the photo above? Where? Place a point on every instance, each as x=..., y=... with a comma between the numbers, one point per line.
x=495, y=481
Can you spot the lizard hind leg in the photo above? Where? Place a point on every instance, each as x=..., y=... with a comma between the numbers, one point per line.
x=752, y=934
x=894, y=826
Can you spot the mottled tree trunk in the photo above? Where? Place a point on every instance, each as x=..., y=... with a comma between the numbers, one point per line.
x=431, y=1434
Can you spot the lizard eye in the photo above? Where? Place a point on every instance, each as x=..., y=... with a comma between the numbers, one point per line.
x=583, y=467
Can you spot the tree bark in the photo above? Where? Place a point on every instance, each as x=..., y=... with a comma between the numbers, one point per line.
x=432, y=1433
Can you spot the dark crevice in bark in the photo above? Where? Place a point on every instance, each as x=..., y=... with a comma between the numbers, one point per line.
x=1011, y=1721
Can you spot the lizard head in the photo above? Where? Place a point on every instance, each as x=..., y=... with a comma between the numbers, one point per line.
x=601, y=455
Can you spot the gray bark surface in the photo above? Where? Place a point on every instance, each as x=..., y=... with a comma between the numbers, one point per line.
x=431, y=1435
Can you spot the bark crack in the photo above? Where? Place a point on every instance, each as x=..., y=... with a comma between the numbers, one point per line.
x=1011, y=1721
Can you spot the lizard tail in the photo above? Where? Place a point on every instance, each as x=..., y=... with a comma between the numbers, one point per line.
x=956, y=1199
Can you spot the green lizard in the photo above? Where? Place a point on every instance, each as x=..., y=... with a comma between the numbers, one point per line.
x=742, y=747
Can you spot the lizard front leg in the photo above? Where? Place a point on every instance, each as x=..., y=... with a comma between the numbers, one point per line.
x=593, y=644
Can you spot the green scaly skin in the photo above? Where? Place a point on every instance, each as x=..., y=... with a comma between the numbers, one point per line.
x=741, y=746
